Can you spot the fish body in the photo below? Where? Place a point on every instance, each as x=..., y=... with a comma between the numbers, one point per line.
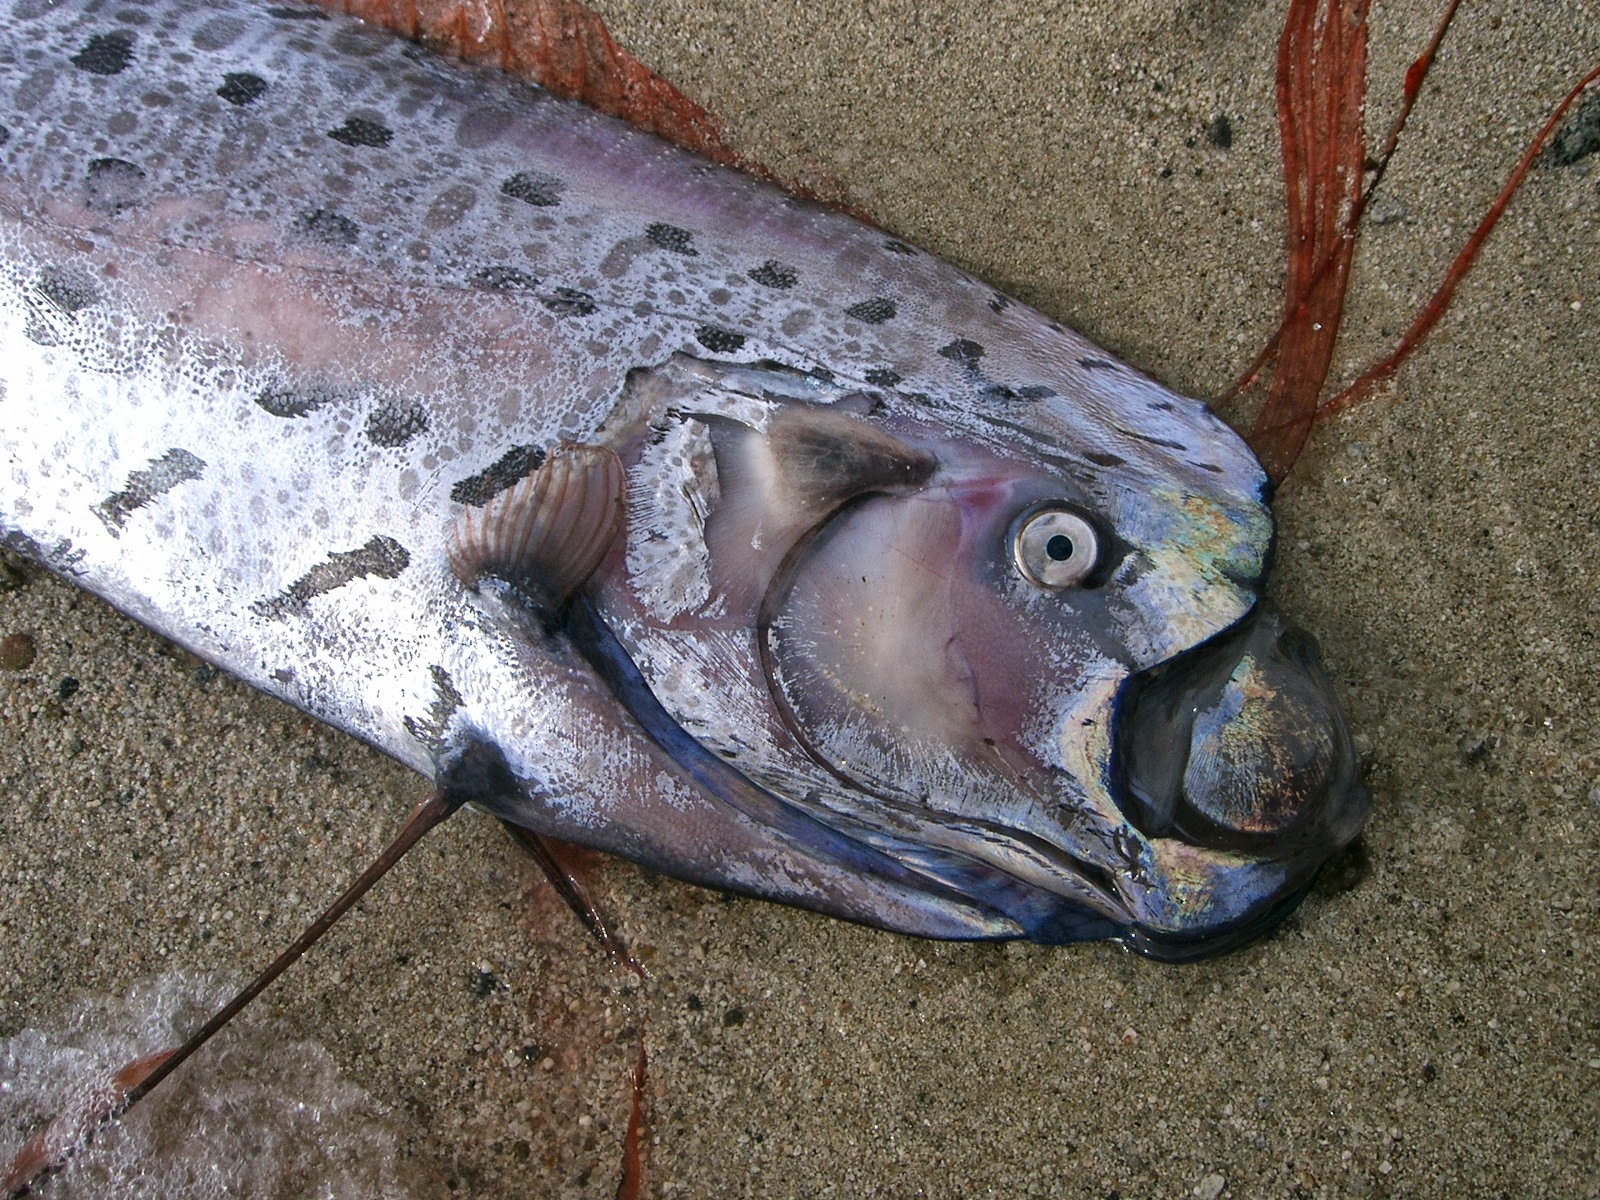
x=762, y=546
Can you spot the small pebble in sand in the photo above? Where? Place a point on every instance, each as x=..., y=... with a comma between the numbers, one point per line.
x=17, y=652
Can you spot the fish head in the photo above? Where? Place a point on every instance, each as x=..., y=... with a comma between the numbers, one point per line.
x=1036, y=669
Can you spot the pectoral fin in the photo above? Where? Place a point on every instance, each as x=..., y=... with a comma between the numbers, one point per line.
x=546, y=534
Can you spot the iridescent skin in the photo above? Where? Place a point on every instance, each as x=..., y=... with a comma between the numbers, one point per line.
x=281, y=300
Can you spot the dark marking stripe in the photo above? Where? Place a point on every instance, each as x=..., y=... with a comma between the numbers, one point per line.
x=326, y=228
x=68, y=290
x=240, y=88
x=381, y=556
x=105, y=53
x=429, y=728
x=964, y=351
x=396, y=423
x=297, y=401
x=569, y=302
x=774, y=274
x=1031, y=391
x=718, y=341
x=359, y=131
x=509, y=469
x=671, y=237
x=874, y=311
x=1149, y=439
x=538, y=188
x=161, y=476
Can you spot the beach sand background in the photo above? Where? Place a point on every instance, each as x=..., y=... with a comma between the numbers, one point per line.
x=1425, y=1026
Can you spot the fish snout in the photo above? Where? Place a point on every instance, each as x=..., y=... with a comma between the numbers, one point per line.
x=1236, y=759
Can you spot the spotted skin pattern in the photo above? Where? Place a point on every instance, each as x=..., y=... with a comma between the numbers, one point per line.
x=279, y=295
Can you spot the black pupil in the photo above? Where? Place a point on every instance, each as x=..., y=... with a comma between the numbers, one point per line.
x=1059, y=547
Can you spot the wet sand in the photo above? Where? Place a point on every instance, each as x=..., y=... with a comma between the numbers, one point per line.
x=1425, y=1029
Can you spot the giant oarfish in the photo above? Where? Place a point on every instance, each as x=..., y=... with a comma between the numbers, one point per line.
x=758, y=545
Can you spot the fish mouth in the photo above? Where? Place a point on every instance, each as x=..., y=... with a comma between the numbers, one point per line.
x=1235, y=764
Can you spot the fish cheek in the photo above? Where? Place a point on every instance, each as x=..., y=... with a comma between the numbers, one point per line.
x=871, y=647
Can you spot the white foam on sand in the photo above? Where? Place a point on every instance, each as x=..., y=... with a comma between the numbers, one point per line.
x=257, y=1114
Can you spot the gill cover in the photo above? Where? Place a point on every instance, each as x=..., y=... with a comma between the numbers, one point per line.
x=933, y=658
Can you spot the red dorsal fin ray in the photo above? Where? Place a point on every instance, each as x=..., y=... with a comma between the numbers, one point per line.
x=563, y=47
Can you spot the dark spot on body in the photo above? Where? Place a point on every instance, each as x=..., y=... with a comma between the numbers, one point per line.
x=1153, y=441
x=774, y=274
x=105, y=53
x=998, y=391
x=395, y=423
x=141, y=487
x=112, y=184
x=537, y=188
x=359, y=131
x=506, y=471
x=429, y=728
x=1212, y=467
x=1101, y=458
x=284, y=12
x=1164, y=406
x=240, y=88
x=505, y=279
x=883, y=377
x=1096, y=364
x=69, y=291
x=718, y=341
x=964, y=351
x=297, y=401
x=999, y=302
x=380, y=556
x=569, y=302
x=874, y=312
x=5, y=135
x=1035, y=391
x=895, y=246
x=671, y=237
x=326, y=228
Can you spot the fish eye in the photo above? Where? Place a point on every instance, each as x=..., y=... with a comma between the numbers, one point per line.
x=1054, y=547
